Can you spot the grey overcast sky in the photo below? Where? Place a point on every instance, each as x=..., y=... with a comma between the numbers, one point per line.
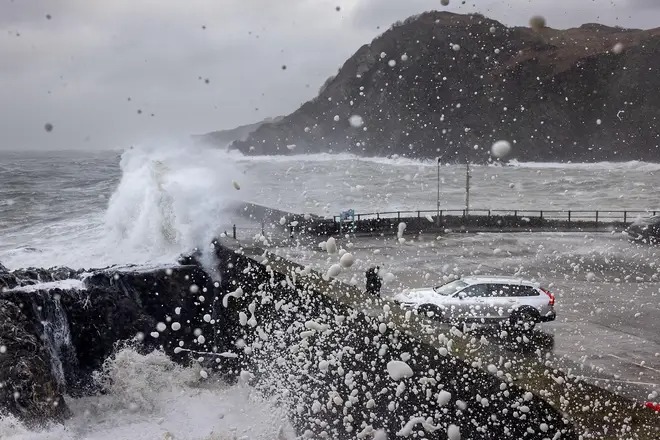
x=97, y=70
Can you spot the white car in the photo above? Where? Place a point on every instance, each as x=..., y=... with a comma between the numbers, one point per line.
x=483, y=299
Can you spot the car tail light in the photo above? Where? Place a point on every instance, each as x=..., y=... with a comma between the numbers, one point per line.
x=550, y=295
x=653, y=406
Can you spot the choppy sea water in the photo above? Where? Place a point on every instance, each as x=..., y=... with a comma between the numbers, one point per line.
x=148, y=204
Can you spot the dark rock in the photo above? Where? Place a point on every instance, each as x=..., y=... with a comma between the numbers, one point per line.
x=544, y=89
x=55, y=339
x=33, y=275
x=28, y=388
x=150, y=298
x=7, y=279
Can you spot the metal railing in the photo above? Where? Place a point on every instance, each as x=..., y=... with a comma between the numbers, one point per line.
x=596, y=216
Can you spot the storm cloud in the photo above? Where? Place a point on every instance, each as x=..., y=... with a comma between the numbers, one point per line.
x=108, y=74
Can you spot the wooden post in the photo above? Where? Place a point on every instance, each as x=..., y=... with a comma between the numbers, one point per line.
x=569, y=217
x=596, y=217
x=625, y=216
x=234, y=232
x=541, y=213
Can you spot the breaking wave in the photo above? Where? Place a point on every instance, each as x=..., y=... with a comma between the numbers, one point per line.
x=150, y=397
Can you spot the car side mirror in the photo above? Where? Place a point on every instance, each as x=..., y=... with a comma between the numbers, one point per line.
x=461, y=295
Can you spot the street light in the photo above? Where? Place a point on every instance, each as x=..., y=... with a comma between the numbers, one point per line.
x=438, y=202
x=467, y=186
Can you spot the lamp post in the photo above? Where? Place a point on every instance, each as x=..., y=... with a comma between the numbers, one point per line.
x=467, y=186
x=437, y=205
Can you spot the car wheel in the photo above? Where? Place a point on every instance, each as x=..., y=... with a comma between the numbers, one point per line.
x=524, y=320
x=426, y=308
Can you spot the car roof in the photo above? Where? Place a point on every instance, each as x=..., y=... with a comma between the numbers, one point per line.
x=484, y=279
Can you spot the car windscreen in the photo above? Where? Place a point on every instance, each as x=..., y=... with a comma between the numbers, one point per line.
x=450, y=288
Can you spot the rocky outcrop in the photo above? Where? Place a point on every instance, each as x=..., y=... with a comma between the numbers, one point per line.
x=25, y=277
x=52, y=339
x=28, y=388
x=438, y=84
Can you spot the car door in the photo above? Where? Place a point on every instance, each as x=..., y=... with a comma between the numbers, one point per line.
x=470, y=302
x=501, y=300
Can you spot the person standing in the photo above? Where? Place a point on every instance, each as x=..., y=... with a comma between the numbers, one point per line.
x=374, y=282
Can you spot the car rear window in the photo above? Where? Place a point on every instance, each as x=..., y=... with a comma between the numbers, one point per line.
x=512, y=290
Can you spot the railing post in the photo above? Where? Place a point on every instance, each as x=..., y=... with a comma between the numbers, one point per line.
x=515, y=214
x=418, y=214
x=596, y=217
x=569, y=217
x=234, y=232
x=398, y=215
x=489, y=213
x=625, y=216
x=541, y=213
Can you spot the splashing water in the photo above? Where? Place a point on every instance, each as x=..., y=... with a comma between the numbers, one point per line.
x=171, y=198
x=150, y=397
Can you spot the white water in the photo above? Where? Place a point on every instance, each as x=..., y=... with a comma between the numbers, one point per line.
x=171, y=198
x=149, y=397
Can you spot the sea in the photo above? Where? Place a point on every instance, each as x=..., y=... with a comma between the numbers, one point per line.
x=150, y=203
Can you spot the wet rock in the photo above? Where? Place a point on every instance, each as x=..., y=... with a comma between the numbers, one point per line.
x=54, y=339
x=182, y=294
x=33, y=275
x=30, y=276
x=28, y=388
x=7, y=280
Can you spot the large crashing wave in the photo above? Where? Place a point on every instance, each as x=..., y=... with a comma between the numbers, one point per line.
x=171, y=198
